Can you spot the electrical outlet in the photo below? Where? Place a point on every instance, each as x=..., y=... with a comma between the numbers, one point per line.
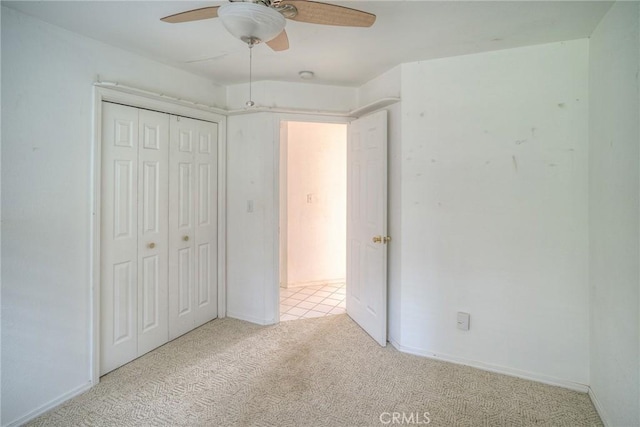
x=463, y=321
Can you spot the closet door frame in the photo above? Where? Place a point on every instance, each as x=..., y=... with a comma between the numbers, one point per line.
x=141, y=99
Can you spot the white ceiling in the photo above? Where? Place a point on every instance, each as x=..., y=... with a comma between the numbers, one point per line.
x=405, y=31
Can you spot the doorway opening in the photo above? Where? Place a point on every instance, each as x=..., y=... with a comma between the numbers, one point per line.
x=313, y=219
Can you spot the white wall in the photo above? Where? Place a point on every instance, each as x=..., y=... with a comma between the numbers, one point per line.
x=386, y=85
x=494, y=210
x=303, y=96
x=316, y=203
x=614, y=214
x=47, y=112
x=251, y=254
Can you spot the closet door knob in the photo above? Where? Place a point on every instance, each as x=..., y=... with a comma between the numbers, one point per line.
x=151, y=245
x=185, y=238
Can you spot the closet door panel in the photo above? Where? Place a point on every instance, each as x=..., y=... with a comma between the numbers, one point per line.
x=119, y=237
x=206, y=160
x=153, y=236
x=183, y=137
x=185, y=282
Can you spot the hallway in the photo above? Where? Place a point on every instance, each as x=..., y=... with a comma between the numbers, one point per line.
x=312, y=301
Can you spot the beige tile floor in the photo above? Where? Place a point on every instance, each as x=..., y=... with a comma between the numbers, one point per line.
x=311, y=301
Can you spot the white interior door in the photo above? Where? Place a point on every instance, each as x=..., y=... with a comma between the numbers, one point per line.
x=206, y=220
x=181, y=227
x=367, y=224
x=134, y=312
x=119, y=237
x=192, y=224
x=153, y=241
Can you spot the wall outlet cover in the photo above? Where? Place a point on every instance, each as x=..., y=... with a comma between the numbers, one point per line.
x=463, y=321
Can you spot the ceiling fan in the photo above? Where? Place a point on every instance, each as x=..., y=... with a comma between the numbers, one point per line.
x=256, y=21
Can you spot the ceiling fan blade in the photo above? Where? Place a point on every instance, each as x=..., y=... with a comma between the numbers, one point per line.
x=329, y=14
x=192, y=15
x=281, y=42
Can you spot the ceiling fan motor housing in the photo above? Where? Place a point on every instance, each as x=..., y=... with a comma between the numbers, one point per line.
x=267, y=3
x=251, y=22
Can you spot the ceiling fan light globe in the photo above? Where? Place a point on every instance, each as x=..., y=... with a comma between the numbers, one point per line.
x=250, y=21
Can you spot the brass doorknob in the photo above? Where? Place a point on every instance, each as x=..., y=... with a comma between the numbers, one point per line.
x=185, y=238
x=151, y=245
x=380, y=239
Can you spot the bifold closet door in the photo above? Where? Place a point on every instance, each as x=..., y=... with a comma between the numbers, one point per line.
x=193, y=295
x=134, y=234
x=153, y=231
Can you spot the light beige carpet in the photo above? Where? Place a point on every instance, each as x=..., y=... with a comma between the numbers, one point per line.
x=314, y=372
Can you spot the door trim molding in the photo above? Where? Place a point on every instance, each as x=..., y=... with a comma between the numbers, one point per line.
x=145, y=100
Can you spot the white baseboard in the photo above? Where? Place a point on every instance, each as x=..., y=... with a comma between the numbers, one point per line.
x=50, y=405
x=315, y=283
x=251, y=319
x=599, y=408
x=583, y=388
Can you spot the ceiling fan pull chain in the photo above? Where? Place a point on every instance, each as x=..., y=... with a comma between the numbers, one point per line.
x=250, y=102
